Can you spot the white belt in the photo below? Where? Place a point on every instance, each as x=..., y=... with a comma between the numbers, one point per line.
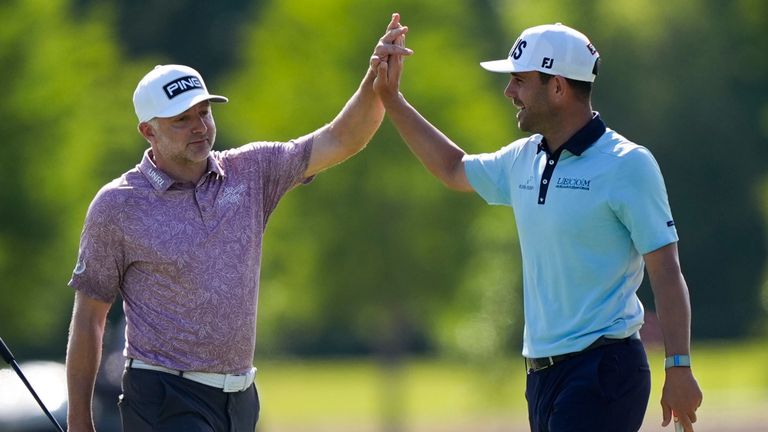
x=229, y=383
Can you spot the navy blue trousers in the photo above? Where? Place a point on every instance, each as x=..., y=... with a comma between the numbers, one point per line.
x=157, y=401
x=602, y=389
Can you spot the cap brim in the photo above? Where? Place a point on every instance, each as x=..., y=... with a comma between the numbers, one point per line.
x=180, y=108
x=503, y=66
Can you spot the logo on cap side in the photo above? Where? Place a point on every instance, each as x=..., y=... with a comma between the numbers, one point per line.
x=181, y=85
x=517, y=50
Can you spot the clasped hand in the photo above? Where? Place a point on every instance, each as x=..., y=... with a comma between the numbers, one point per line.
x=387, y=59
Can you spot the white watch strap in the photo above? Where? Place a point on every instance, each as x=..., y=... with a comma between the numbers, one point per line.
x=677, y=360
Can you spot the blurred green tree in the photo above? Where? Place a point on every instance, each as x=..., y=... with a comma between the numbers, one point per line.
x=375, y=255
x=365, y=258
x=65, y=136
x=199, y=33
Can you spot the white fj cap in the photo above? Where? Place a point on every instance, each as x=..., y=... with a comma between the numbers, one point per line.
x=554, y=49
x=169, y=90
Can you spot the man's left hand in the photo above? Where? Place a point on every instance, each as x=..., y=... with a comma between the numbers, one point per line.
x=680, y=398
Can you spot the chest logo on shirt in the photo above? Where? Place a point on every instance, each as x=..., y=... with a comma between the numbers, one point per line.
x=573, y=183
x=528, y=185
x=232, y=195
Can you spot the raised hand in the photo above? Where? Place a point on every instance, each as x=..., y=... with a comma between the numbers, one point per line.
x=387, y=59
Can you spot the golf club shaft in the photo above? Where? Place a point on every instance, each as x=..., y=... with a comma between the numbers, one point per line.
x=5, y=352
x=8, y=357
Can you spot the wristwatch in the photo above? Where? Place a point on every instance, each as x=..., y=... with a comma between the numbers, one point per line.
x=677, y=360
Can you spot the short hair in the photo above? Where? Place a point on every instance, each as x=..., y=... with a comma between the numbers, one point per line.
x=582, y=88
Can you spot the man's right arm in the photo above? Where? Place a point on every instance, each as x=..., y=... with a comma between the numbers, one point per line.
x=437, y=152
x=86, y=333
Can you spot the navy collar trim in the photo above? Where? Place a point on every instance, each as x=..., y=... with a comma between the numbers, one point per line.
x=581, y=140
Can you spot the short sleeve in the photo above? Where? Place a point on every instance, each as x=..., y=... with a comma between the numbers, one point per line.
x=99, y=269
x=640, y=201
x=276, y=166
x=488, y=173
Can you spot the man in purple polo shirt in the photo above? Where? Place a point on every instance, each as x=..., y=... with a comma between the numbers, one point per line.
x=179, y=238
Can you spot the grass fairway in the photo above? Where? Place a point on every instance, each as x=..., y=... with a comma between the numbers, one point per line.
x=428, y=395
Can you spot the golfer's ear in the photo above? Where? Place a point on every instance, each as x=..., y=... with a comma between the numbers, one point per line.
x=561, y=85
x=146, y=130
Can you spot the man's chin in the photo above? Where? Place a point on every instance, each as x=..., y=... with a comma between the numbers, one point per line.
x=200, y=146
x=198, y=154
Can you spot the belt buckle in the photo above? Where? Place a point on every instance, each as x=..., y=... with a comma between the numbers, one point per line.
x=550, y=362
x=535, y=367
x=233, y=383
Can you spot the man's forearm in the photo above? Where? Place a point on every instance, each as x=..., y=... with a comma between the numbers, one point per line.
x=672, y=304
x=674, y=313
x=350, y=131
x=436, y=151
x=82, y=363
x=355, y=125
x=83, y=359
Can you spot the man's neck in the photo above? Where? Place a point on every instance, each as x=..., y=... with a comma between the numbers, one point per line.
x=565, y=127
x=182, y=172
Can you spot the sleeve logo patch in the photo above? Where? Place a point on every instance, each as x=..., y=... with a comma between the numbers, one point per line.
x=80, y=267
x=670, y=223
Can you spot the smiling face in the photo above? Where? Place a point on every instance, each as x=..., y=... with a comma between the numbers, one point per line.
x=532, y=97
x=181, y=144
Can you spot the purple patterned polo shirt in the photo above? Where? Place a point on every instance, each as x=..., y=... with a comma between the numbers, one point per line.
x=186, y=258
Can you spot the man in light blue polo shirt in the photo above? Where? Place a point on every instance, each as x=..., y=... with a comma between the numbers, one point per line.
x=592, y=212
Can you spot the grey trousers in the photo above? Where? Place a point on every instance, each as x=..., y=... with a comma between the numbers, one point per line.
x=158, y=401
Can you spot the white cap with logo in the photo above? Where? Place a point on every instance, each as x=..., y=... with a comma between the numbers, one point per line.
x=554, y=49
x=169, y=90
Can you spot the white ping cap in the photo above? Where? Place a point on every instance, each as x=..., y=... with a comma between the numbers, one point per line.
x=169, y=90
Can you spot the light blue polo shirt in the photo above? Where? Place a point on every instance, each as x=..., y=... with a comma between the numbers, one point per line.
x=585, y=215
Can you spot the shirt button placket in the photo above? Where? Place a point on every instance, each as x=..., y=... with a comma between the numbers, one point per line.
x=204, y=208
x=545, y=180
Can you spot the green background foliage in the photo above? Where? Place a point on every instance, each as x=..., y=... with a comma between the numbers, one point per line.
x=375, y=256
